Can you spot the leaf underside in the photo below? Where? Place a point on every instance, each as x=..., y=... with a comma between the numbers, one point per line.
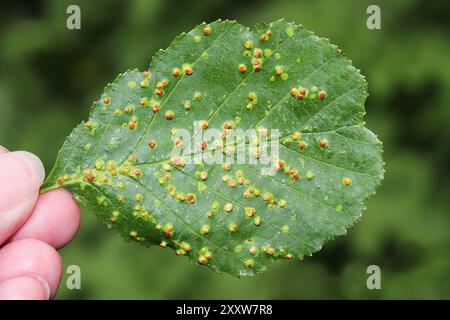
x=229, y=217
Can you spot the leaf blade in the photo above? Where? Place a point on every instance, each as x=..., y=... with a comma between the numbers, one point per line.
x=108, y=165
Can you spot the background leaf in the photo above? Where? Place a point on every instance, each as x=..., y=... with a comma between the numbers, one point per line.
x=233, y=219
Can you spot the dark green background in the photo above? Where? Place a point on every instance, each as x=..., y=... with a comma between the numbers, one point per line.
x=49, y=77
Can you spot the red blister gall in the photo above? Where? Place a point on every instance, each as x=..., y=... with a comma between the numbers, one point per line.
x=206, y=30
x=176, y=72
x=256, y=65
x=169, y=115
x=242, y=68
x=188, y=71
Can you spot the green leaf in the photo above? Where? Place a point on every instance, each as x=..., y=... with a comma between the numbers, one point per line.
x=232, y=218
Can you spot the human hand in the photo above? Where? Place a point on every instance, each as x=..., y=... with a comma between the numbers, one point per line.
x=32, y=227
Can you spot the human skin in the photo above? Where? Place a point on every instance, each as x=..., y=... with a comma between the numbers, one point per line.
x=32, y=228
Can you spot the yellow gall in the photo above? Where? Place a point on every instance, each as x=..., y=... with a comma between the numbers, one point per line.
x=204, y=229
x=187, y=106
x=233, y=227
x=267, y=196
x=296, y=136
x=197, y=96
x=278, y=70
x=250, y=212
x=151, y=144
x=133, y=234
x=143, y=102
x=204, y=175
x=347, y=181
x=232, y=183
x=228, y=207
x=249, y=263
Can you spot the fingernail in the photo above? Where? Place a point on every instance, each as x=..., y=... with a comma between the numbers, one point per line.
x=44, y=284
x=34, y=163
x=3, y=149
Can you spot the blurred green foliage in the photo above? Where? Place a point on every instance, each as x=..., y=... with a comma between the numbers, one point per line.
x=49, y=77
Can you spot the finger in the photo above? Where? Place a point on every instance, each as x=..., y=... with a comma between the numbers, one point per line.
x=54, y=220
x=24, y=288
x=21, y=174
x=30, y=257
x=3, y=149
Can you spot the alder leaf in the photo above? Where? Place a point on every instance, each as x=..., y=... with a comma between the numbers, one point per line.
x=232, y=217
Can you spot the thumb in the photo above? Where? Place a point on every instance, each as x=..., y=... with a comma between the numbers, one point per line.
x=21, y=175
